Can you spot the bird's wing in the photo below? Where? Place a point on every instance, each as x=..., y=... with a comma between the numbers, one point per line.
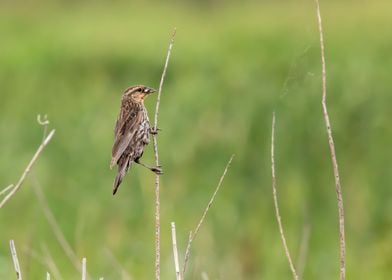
x=125, y=129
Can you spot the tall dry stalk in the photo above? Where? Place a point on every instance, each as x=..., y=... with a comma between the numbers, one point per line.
x=157, y=195
x=328, y=126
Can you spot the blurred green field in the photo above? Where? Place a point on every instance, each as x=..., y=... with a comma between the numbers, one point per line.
x=231, y=66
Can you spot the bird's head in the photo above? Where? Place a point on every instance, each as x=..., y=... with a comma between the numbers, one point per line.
x=138, y=93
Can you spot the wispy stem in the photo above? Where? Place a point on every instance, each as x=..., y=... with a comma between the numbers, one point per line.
x=28, y=168
x=278, y=218
x=51, y=263
x=193, y=234
x=328, y=126
x=6, y=189
x=303, y=250
x=55, y=227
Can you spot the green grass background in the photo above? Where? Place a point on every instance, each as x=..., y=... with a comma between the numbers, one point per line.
x=233, y=63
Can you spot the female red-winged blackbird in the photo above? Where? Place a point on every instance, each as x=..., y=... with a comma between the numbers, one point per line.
x=132, y=132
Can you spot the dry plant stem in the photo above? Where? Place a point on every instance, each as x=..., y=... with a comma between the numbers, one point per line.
x=155, y=142
x=44, y=123
x=332, y=150
x=6, y=189
x=84, y=271
x=187, y=252
x=175, y=252
x=193, y=235
x=47, y=276
x=278, y=218
x=28, y=168
x=15, y=260
x=55, y=228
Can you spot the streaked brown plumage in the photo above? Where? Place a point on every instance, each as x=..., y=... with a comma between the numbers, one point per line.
x=132, y=132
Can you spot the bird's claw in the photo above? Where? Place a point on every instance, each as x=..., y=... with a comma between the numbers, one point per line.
x=157, y=170
x=154, y=131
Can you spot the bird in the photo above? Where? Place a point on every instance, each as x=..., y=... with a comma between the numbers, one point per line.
x=131, y=133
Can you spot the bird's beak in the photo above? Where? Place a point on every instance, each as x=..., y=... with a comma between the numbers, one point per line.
x=151, y=90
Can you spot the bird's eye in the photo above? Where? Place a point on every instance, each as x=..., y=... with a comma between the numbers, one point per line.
x=146, y=90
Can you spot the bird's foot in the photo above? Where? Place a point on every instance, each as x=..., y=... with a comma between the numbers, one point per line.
x=157, y=170
x=154, y=131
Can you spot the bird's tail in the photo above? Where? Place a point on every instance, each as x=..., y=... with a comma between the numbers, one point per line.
x=122, y=169
x=117, y=182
